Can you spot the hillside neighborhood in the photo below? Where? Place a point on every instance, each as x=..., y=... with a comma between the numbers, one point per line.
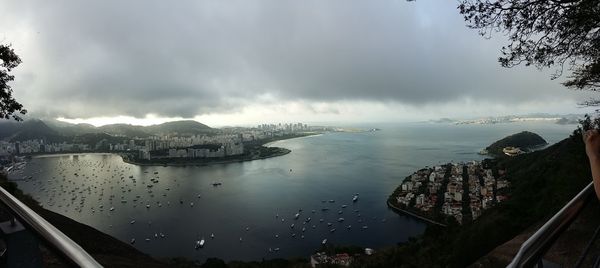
x=453, y=190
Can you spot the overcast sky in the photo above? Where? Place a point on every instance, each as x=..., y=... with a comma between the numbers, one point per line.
x=246, y=62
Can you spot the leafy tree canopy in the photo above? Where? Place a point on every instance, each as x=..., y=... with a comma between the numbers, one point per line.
x=544, y=33
x=9, y=107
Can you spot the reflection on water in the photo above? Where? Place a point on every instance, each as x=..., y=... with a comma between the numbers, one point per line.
x=291, y=202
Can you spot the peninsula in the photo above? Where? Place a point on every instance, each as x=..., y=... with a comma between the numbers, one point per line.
x=451, y=192
x=189, y=156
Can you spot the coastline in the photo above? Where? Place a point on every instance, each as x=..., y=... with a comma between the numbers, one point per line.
x=264, y=144
x=61, y=154
x=397, y=209
x=267, y=144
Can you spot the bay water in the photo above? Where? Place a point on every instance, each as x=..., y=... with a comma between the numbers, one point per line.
x=167, y=209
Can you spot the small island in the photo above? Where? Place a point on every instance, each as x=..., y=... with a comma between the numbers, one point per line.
x=516, y=144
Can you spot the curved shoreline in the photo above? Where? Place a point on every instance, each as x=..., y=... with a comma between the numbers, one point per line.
x=397, y=209
x=270, y=143
x=194, y=163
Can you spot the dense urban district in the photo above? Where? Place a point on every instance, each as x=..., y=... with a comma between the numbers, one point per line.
x=174, y=147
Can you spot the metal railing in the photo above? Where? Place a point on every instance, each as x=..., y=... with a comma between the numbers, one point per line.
x=56, y=239
x=532, y=251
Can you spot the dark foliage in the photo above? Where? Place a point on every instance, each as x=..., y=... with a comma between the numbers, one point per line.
x=9, y=107
x=544, y=33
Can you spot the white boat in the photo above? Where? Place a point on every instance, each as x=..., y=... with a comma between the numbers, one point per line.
x=202, y=242
x=197, y=246
x=340, y=219
x=355, y=198
x=324, y=241
x=212, y=236
x=132, y=241
x=297, y=215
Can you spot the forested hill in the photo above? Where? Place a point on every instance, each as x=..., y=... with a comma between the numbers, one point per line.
x=524, y=140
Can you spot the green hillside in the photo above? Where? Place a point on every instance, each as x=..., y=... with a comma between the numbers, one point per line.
x=57, y=131
x=180, y=127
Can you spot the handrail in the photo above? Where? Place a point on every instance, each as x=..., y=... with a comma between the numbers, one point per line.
x=55, y=238
x=532, y=251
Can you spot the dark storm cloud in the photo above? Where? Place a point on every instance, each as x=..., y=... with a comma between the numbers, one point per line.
x=184, y=58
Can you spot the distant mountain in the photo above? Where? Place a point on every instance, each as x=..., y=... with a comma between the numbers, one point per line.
x=93, y=139
x=180, y=127
x=28, y=130
x=524, y=140
x=54, y=130
x=124, y=130
x=67, y=129
x=9, y=128
x=444, y=120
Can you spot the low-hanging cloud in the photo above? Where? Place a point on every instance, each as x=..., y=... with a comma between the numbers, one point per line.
x=187, y=58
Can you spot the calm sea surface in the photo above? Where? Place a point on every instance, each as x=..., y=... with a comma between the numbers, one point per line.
x=254, y=207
